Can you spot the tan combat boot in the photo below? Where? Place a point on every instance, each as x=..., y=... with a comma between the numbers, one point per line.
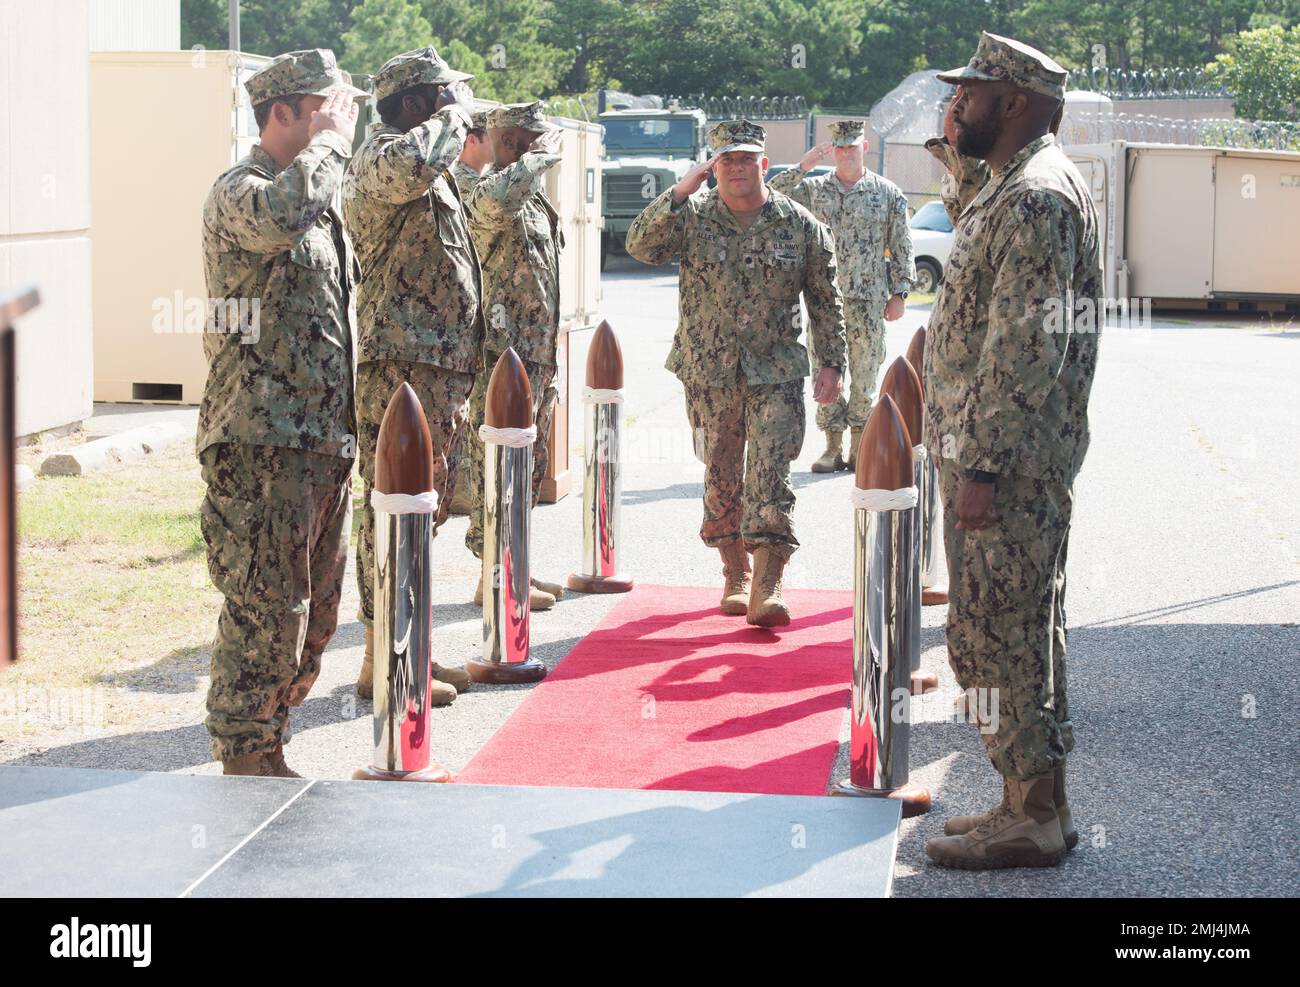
x=855, y=439
x=1025, y=834
x=457, y=678
x=256, y=765
x=964, y=824
x=736, y=579
x=832, y=460
x=366, y=678
x=1068, y=832
x=276, y=761
x=537, y=599
x=460, y=500
x=766, y=607
x=958, y=825
x=555, y=589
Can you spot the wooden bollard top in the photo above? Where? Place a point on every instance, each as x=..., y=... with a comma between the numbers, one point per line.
x=903, y=385
x=404, y=456
x=605, y=360
x=916, y=356
x=509, y=395
x=885, y=452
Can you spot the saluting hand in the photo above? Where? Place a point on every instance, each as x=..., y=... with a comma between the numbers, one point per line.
x=950, y=120
x=547, y=142
x=692, y=180
x=816, y=156
x=458, y=93
x=338, y=113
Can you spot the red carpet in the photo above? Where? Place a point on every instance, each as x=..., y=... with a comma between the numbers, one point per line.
x=668, y=693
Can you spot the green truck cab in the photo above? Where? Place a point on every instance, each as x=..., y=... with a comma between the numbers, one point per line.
x=646, y=152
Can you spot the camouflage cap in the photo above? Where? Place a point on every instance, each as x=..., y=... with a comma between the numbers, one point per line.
x=736, y=135
x=424, y=66
x=478, y=120
x=529, y=116
x=999, y=59
x=846, y=133
x=312, y=72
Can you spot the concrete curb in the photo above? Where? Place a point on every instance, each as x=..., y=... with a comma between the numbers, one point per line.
x=125, y=447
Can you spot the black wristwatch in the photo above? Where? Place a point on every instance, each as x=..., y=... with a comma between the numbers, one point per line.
x=981, y=476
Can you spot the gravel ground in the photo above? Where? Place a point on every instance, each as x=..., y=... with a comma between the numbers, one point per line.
x=1184, y=595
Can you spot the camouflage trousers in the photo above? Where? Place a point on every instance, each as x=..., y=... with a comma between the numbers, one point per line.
x=747, y=435
x=444, y=396
x=1006, y=617
x=865, y=327
x=542, y=380
x=276, y=523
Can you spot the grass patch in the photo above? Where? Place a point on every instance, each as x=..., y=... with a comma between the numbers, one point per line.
x=113, y=578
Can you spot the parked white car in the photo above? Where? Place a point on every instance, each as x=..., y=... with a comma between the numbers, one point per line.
x=931, y=241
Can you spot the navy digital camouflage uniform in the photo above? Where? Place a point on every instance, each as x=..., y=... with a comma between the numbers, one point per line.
x=420, y=316
x=518, y=235
x=1007, y=380
x=276, y=435
x=873, y=249
x=737, y=349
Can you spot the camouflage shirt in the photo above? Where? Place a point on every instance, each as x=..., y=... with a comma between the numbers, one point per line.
x=517, y=232
x=1012, y=344
x=866, y=220
x=421, y=287
x=272, y=236
x=739, y=289
x=466, y=178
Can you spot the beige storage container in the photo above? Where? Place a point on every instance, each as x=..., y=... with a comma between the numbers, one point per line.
x=163, y=126
x=1188, y=225
x=574, y=188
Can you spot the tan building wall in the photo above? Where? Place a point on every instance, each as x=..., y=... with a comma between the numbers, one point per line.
x=45, y=213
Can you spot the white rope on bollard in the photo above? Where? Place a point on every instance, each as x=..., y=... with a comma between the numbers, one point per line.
x=902, y=499
x=511, y=438
x=396, y=503
x=601, y=395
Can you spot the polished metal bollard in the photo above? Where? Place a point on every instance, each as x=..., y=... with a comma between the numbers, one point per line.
x=508, y=434
x=405, y=505
x=602, y=485
x=903, y=385
x=934, y=574
x=883, y=562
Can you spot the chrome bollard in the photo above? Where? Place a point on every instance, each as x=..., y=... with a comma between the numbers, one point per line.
x=508, y=434
x=602, y=484
x=903, y=385
x=405, y=506
x=934, y=574
x=883, y=563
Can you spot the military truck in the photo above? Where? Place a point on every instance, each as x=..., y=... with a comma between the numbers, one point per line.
x=646, y=151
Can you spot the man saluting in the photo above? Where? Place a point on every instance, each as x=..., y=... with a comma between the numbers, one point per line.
x=747, y=254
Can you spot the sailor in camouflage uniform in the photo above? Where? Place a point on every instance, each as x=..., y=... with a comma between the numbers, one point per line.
x=517, y=232
x=1009, y=362
x=474, y=156
x=867, y=215
x=276, y=438
x=420, y=317
x=747, y=254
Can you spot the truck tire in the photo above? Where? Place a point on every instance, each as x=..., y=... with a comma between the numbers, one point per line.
x=928, y=276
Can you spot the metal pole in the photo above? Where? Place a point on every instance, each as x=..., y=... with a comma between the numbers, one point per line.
x=405, y=507
x=885, y=569
x=508, y=435
x=602, y=482
x=233, y=19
